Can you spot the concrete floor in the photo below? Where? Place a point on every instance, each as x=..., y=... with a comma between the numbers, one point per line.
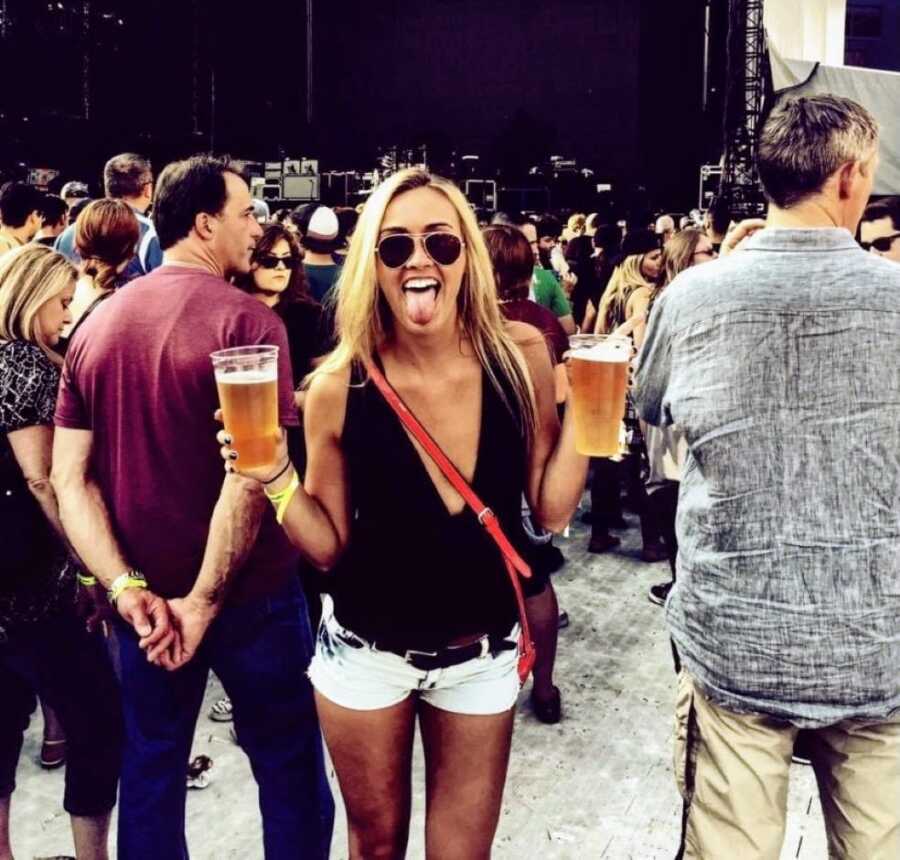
x=598, y=785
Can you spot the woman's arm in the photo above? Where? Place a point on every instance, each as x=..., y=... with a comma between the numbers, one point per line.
x=556, y=472
x=561, y=383
x=590, y=317
x=32, y=448
x=317, y=516
x=636, y=313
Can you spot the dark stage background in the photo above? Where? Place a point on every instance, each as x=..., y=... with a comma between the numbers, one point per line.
x=615, y=84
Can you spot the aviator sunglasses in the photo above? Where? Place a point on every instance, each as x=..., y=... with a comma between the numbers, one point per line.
x=882, y=243
x=270, y=261
x=397, y=249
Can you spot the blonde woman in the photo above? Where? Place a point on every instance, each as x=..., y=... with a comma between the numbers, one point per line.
x=631, y=286
x=423, y=622
x=623, y=310
x=575, y=226
x=666, y=446
x=45, y=646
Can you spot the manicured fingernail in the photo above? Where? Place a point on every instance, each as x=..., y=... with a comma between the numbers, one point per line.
x=227, y=439
x=233, y=455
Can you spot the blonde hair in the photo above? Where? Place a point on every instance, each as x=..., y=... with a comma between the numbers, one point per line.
x=29, y=278
x=364, y=320
x=575, y=225
x=678, y=252
x=625, y=279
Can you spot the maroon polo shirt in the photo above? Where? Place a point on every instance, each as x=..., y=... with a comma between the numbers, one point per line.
x=139, y=376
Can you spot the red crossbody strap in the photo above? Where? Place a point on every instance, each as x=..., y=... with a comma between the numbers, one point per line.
x=485, y=515
x=513, y=561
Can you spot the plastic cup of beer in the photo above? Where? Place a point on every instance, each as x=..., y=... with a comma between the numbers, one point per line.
x=247, y=379
x=599, y=374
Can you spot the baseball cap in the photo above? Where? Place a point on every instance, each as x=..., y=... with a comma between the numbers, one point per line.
x=260, y=210
x=74, y=188
x=318, y=226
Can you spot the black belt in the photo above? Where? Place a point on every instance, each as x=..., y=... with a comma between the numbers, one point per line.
x=452, y=655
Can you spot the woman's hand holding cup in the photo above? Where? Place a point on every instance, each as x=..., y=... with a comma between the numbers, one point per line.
x=232, y=457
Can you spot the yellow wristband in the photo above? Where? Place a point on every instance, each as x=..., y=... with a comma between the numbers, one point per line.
x=86, y=580
x=282, y=499
x=274, y=498
x=123, y=582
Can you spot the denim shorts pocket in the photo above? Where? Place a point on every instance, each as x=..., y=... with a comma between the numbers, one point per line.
x=685, y=740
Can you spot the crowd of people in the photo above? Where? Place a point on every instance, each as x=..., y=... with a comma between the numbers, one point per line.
x=757, y=453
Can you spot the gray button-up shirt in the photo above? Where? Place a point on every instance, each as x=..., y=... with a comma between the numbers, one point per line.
x=781, y=365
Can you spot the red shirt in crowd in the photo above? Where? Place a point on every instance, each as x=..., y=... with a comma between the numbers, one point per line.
x=139, y=376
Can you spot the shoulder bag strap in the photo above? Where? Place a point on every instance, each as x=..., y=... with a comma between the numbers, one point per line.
x=515, y=564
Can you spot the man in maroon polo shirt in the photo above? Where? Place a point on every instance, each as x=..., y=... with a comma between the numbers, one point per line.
x=195, y=561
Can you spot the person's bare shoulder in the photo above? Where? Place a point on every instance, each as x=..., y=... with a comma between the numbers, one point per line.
x=524, y=335
x=326, y=400
x=531, y=343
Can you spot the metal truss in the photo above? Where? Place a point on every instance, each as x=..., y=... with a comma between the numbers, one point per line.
x=745, y=93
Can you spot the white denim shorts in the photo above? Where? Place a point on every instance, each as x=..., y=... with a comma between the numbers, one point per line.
x=364, y=678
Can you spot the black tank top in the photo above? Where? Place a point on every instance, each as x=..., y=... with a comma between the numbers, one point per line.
x=415, y=576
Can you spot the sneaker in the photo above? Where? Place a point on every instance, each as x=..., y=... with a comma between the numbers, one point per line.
x=563, y=621
x=220, y=712
x=602, y=543
x=197, y=772
x=659, y=593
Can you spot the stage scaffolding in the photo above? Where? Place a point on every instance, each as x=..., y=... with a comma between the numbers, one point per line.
x=746, y=89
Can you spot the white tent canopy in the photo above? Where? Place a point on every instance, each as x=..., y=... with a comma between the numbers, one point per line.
x=878, y=91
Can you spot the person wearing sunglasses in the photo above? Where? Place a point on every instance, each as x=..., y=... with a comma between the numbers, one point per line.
x=422, y=618
x=276, y=278
x=880, y=228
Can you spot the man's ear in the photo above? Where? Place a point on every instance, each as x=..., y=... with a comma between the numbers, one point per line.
x=848, y=175
x=203, y=224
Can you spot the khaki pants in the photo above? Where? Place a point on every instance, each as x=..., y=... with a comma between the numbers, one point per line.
x=732, y=771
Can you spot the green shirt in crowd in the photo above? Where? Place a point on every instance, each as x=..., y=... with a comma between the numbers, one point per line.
x=547, y=292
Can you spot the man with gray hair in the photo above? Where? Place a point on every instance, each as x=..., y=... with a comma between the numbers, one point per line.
x=781, y=366
x=127, y=177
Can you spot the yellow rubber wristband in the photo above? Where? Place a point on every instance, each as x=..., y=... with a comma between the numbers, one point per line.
x=86, y=580
x=282, y=499
x=123, y=583
x=274, y=498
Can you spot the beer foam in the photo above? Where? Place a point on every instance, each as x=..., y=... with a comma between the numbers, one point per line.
x=247, y=377
x=609, y=351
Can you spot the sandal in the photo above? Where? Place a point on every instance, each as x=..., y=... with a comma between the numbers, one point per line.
x=220, y=712
x=53, y=754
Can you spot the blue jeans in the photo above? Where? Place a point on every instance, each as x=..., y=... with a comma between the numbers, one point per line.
x=260, y=651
